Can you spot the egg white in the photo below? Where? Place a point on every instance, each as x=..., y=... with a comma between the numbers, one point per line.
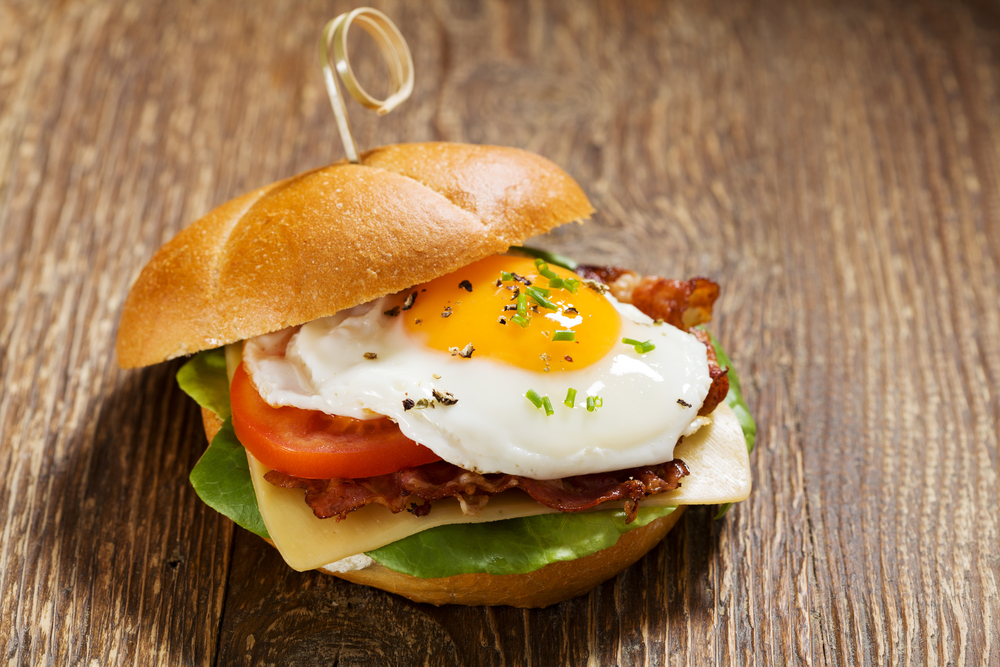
x=492, y=427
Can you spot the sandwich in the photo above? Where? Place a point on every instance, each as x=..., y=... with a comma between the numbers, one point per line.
x=396, y=390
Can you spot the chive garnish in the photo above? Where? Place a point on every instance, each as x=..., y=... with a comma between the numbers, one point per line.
x=539, y=294
x=642, y=347
x=522, y=305
x=564, y=335
x=520, y=320
x=590, y=404
x=506, y=277
x=570, y=398
x=548, y=406
x=557, y=283
x=544, y=269
x=533, y=396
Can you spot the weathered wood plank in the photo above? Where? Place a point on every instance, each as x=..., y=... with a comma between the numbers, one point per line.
x=836, y=166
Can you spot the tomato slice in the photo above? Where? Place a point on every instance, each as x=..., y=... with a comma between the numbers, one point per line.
x=315, y=445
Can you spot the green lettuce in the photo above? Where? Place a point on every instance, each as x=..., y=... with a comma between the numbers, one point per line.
x=734, y=399
x=204, y=379
x=511, y=546
x=221, y=478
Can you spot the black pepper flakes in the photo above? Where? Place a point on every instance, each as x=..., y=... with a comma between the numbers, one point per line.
x=466, y=285
x=407, y=404
x=444, y=397
x=392, y=312
x=371, y=356
x=521, y=279
x=568, y=358
x=502, y=320
x=571, y=311
x=408, y=303
x=446, y=312
x=681, y=401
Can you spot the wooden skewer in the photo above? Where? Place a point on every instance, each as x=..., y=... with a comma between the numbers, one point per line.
x=333, y=42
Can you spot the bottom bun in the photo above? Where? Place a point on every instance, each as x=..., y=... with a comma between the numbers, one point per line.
x=546, y=586
x=553, y=583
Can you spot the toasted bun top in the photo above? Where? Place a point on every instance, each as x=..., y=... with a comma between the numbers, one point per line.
x=335, y=237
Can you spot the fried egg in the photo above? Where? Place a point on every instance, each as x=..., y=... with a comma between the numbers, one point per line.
x=451, y=363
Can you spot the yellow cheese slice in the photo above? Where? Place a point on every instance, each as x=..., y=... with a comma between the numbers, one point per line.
x=716, y=456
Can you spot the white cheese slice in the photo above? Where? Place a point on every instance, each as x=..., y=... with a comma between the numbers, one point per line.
x=716, y=456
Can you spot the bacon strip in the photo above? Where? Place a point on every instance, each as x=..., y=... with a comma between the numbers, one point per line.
x=415, y=488
x=682, y=303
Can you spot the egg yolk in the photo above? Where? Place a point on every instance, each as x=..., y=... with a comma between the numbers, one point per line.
x=478, y=306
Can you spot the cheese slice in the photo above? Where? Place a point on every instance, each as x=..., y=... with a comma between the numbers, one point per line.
x=716, y=455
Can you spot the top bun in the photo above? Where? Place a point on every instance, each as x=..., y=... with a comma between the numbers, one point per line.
x=332, y=238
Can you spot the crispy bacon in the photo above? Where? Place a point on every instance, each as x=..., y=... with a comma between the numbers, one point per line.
x=720, y=376
x=682, y=303
x=416, y=488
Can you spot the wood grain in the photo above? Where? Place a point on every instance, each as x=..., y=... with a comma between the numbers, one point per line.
x=834, y=165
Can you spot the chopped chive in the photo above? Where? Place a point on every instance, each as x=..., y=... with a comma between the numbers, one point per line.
x=550, y=257
x=548, y=406
x=520, y=320
x=557, y=283
x=642, y=347
x=570, y=398
x=590, y=404
x=522, y=305
x=572, y=284
x=541, y=291
x=539, y=294
x=598, y=402
x=544, y=269
x=533, y=396
x=506, y=277
x=564, y=335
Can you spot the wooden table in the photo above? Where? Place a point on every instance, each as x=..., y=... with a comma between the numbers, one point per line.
x=833, y=165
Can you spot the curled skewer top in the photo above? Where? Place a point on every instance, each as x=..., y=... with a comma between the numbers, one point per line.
x=333, y=55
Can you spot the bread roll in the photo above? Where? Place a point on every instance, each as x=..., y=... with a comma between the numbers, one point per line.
x=335, y=237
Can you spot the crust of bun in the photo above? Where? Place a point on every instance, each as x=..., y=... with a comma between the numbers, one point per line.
x=335, y=237
x=549, y=585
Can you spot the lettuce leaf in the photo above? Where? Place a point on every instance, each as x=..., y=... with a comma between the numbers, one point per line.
x=512, y=546
x=222, y=480
x=204, y=379
x=734, y=399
